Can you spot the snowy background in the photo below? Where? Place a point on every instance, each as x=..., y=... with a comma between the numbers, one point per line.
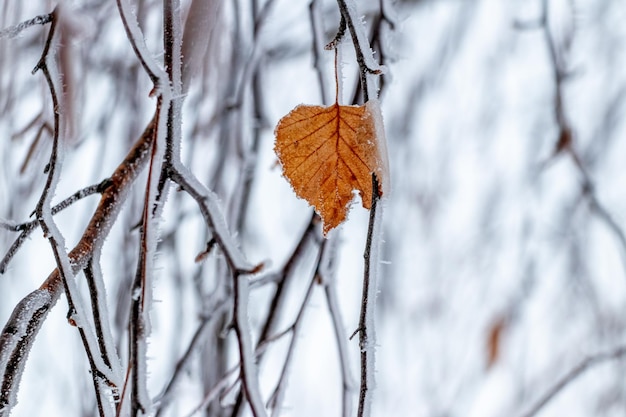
x=504, y=261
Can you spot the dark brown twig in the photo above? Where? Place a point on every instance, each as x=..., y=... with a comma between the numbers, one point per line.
x=366, y=342
x=359, y=48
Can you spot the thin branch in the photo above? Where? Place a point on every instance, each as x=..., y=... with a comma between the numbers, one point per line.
x=565, y=142
x=361, y=47
x=138, y=43
x=100, y=313
x=248, y=369
x=332, y=301
x=572, y=375
x=139, y=325
x=367, y=338
x=224, y=380
x=164, y=398
x=45, y=127
x=283, y=282
x=13, y=31
x=277, y=396
x=212, y=213
x=28, y=227
x=341, y=32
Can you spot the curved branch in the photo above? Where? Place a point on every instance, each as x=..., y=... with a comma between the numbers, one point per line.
x=570, y=376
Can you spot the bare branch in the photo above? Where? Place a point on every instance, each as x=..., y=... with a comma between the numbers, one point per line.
x=367, y=339
x=332, y=301
x=13, y=31
x=572, y=375
x=138, y=43
x=277, y=396
x=28, y=227
x=21, y=330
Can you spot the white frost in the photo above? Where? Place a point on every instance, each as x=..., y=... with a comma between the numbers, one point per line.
x=248, y=360
x=373, y=107
x=370, y=316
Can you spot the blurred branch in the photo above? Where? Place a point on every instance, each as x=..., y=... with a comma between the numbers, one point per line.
x=318, y=45
x=565, y=142
x=572, y=375
x=166, y=395
x=13, y=31
x=332, y=301
x=276, y=398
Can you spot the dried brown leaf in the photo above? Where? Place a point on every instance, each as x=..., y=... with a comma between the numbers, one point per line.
x=327, y=153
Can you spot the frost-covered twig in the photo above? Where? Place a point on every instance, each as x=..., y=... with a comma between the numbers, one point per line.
x=16, y=339
x=13, y=31
x=29, y=314
x=382, y=20
x=364, y=56
x=207, y=201
x=570, y=376
x=281, y=294
x=213, y=216
x=100, y=312
x=366, y=330
x=277, y=396
x=101, y=373
x=248, y=369
x=332, y=301
x=139, y=325
x=28, y=227
x=78, y=195
x=138, y=43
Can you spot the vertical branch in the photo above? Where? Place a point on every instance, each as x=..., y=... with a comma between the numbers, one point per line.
x=248, y=369
x=332, y=301
x=100, y=314
x=279, y=392
x=364, y=57
x=138, y=43
x=139, y=326
x=366, y=329
x=318, y=46
x=367, y=337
